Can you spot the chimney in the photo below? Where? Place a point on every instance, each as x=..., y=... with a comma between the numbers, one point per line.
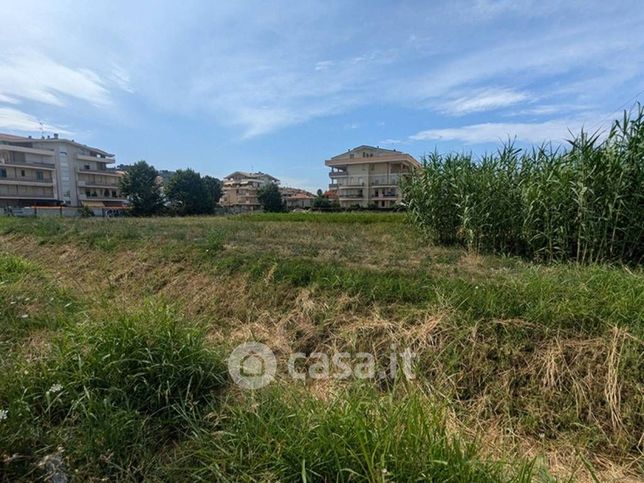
x=55, y=135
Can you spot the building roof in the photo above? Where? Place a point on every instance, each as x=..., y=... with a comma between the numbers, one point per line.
x=378, y=155
x=71, y=141
x=245, y=174
x=363, y=147
x=14, y=139
x=21, y=139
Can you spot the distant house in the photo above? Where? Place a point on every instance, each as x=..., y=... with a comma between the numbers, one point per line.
x=369, y=176
x=240, y=190
x=296, y=198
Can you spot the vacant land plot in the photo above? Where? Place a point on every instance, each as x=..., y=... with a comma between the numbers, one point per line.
x=115, y=335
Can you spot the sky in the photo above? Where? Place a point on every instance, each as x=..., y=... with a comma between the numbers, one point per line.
x=280, y=86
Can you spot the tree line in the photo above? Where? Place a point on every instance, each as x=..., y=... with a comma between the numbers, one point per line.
x=185, y=193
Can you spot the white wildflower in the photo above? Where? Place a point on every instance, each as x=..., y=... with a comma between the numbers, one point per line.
x=4, y=414
x=55, y=388
x=24, y=316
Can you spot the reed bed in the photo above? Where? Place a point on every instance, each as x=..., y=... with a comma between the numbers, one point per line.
x=582, y=202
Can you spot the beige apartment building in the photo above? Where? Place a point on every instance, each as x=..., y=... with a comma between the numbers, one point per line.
x=240, y=190
x=369, y=176
x=296, y=199
x=56, y=172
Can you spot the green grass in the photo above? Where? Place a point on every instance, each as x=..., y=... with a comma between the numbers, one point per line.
x=134, y=318
x=109, y=393
x=315, y=217
x=358, y=435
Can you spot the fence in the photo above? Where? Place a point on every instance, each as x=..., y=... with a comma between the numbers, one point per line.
x=62, y=212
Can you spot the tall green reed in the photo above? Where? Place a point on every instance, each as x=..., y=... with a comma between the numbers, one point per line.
x=583, y=203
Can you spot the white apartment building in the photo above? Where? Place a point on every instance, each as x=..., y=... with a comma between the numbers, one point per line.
x=56, y=172
x=369, y=176
x=240, y=190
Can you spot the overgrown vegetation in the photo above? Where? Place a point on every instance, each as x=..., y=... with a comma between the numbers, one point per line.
x=523, y=369
x=584, y=203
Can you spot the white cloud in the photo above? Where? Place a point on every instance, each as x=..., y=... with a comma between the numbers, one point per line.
x=485, y=100
x=15, y=120
x=36, y=77
x=554, y=130
x=8, y=100
x=323, y=64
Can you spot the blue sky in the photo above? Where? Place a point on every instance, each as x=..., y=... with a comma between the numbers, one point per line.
x=282, y=86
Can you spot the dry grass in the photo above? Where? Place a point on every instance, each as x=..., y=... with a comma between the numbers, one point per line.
x=518, y=385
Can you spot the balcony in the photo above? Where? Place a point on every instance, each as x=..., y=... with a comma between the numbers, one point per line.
x=29, y=180
x=96, y=184
x=21, y=149
x=335, y=174
x=102, y=172
x=98, y=159
x=389, y=180
x=350, y=181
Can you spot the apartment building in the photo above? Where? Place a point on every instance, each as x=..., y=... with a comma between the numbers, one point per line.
x=56, y=172
x=369, y=176
x=295, y=198
x=240, y=190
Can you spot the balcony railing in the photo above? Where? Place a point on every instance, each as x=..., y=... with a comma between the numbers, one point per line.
x=26, y=179
x=99, y=184
x=389, y=180
x=350, y=181
x=106, y=172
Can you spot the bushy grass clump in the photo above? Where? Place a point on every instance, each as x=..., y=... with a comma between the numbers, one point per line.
x=583, y=204
x=107, y=394
x=285, y=434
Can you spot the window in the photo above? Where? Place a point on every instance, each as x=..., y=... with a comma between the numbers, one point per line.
x=351, y=156
x=3, y=173
x=88, y=193
x=40, y=176
x=106, y=193
x=114, y=195
x=87, y=166
x=22, y=172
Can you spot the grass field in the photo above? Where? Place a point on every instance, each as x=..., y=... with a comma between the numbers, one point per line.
x=115, y=335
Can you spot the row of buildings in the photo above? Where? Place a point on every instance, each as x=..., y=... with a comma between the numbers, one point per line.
x=365, y=176
x=60, y=172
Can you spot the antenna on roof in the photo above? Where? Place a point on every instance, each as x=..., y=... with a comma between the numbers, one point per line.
x=42, y=130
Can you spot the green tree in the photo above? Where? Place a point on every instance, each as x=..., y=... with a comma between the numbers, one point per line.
x=321, y=201
x=214, y=188
x=140, y=186
x=188, y=194
x=270, y=198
